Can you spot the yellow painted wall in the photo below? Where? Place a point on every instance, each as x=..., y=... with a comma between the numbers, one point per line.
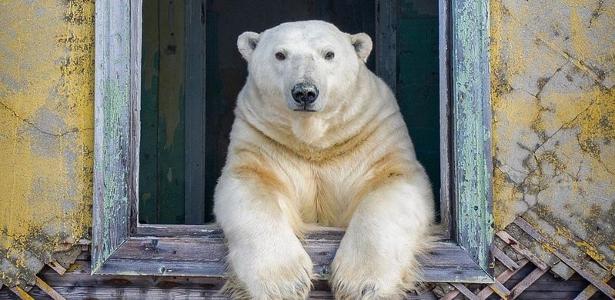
x=553, y=71
x=46, y=130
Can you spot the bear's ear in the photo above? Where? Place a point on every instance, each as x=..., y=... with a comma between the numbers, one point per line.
x=362, y=44
x=246, y=43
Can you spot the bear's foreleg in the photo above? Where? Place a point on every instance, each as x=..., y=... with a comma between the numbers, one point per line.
x=377, y=256
x=265, y=256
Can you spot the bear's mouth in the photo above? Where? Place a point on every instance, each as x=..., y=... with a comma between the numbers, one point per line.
x=304, y=109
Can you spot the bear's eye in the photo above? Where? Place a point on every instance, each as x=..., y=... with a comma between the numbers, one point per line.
x=280, y=55
x=329, y=55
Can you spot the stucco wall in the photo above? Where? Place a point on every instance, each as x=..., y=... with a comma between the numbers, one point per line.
x=553, y=71
x=46, y=136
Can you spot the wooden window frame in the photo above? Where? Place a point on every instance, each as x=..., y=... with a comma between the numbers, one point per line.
x=121, y=246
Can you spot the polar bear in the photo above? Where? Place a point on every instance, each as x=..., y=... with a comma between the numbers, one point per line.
x=319, y=139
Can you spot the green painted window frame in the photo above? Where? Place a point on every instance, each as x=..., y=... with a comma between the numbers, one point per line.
x=121, y=246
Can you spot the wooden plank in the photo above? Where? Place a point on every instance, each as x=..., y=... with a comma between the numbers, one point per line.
x=148, y=142
x=446, y=200
x=465, y=291
x=79, y=275
x=57, y=267
x=136, y=21
x=48, y=290
x=178, y=230
x=19, y=292
x=385, y=44
x=526, y=282
x=213, y=231
x=194, y=107
x=508, y=239
x=504, y=259
x=126, y=292
x=499, y=289
x=600, y=284
x=175, y=256
x=471, y=111
x=112, y=128
x=172, y=249
x=171, y=114
x=450, y=295
x=587, y=293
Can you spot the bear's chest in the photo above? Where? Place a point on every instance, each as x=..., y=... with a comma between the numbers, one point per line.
x=327, y=193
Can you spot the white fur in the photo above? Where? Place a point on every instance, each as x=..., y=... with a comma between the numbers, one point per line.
x=349, y=164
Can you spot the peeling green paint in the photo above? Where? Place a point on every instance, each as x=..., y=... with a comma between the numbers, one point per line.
x=112, y=129
x=471, y=108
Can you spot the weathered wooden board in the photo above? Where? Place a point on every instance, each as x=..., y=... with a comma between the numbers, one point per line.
x=471, y=126
x=162, y=151
x=177, y=256
x=112, y=135
x=446, y=133
x=171, y=113
x=195, y=115
x=385, y=40
x=148, y=146
x=124, y=292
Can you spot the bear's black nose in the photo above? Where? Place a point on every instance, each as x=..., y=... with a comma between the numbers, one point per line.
x=304, y=93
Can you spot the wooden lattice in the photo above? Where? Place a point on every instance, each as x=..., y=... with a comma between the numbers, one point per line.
x=520, y=258
x=23, y=294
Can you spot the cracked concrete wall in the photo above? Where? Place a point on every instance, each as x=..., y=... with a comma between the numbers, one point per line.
x=553, y=71
x=46, y=132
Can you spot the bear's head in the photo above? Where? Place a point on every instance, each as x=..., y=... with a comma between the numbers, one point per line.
x=308, y=66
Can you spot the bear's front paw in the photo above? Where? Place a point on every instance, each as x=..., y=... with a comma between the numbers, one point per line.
x=362, y=276
x=281, y=278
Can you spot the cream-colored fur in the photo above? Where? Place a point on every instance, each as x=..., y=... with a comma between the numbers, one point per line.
x=350, y=163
